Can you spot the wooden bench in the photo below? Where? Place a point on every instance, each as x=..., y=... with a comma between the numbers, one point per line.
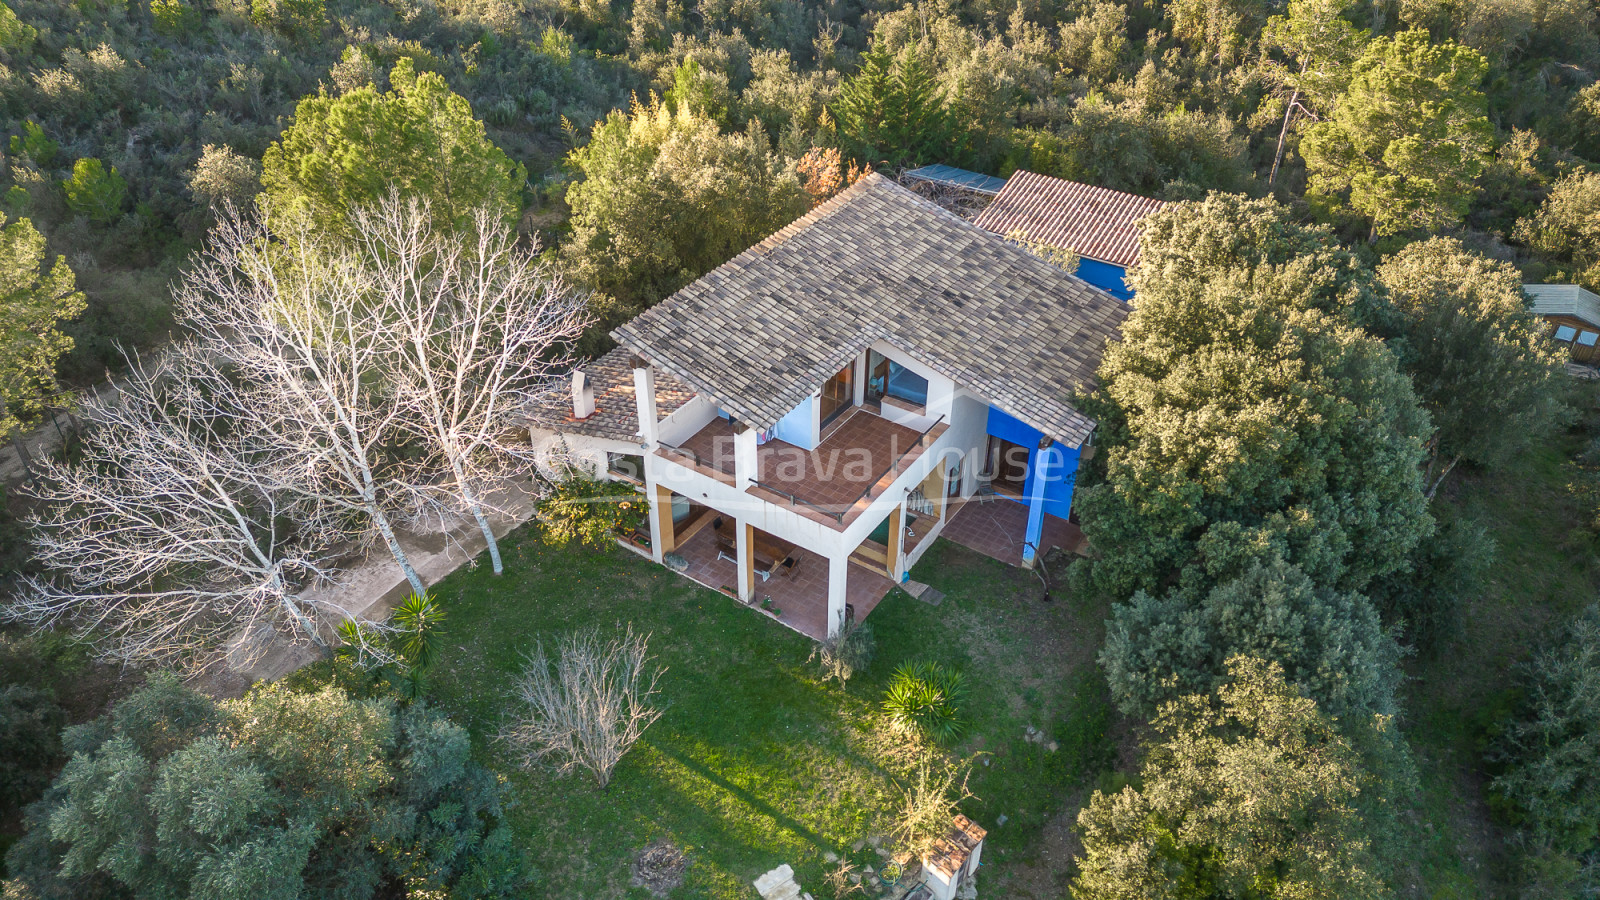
x=768, y=556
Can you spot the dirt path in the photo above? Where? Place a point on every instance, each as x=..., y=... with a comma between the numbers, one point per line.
x=367, y=591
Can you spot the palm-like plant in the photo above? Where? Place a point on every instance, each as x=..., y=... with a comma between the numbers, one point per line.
x=405, y=651
x=925, y=696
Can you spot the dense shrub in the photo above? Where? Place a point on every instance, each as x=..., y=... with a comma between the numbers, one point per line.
x=1550, y=789
x=278, y=794
x=1328, y=643
x=926, y=697
x=1246, y=788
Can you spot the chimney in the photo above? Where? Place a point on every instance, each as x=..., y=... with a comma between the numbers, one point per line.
x=582, y=395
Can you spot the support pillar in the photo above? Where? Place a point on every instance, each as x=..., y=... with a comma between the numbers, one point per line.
x=1044, y=460
x=838, y=580
x=745, y=464
x=896, y=532
x=662, y=539
x=744, y=537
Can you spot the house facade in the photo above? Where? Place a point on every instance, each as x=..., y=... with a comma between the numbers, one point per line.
x=806, y=419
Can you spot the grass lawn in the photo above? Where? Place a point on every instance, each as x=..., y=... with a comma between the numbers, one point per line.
x=1545, y=570
x=754, y=762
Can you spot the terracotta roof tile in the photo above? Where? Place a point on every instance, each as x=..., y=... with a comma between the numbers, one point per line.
x=1094, y=222
x=878, y=263
x=616, y=412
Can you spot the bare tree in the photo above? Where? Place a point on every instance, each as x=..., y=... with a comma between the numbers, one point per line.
x=930, y=800
x=587, y=706
x=476, y=328
x=166, y=537
x=291, y=308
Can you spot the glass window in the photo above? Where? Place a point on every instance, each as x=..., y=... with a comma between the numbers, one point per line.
x=1587, y=338
x=626, y=465
x=906, y=385
x=1565, y=332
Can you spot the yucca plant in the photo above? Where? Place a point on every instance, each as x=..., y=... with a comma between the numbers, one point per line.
x=402, y=653
x=925, y=696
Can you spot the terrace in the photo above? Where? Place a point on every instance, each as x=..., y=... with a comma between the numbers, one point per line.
x=856, y=461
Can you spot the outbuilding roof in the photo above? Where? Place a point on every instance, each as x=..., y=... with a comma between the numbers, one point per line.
x=950, y=176
x=1095, y=222
x=878, y=263
x=616, y=412
x=1565, y=300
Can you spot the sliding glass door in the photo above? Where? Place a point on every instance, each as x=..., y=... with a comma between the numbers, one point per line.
x=838, y=393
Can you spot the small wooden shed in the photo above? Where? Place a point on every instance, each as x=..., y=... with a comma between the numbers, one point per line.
x=1574, y=317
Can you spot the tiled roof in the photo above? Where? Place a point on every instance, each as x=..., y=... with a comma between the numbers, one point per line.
x=1095, y=222
x=616, y=413
x=876, y=262
x=1564, y=300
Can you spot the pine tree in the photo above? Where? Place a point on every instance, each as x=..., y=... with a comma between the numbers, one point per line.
x=893, y=112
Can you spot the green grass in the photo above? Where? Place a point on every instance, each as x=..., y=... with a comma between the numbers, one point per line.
x=1545, y=571
x=754, y=763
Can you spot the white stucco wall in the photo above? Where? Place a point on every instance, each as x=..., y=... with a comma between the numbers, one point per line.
x=940, y=392
x=687, y=419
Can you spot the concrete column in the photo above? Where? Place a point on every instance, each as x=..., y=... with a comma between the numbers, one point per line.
x=838, y=575
x=644, y=396
x=744, y=537
x=861, y=378
x=745, y=466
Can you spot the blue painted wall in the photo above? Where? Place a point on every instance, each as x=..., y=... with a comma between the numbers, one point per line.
x=1057, y=464
x=1106, y=277
x=799, y=427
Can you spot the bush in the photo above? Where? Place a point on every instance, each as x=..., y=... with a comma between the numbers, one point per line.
x=844, y=654
x=1329, y=643
x=589, y=511
x=223, y=177
x=1424, y=599
x=291, y=17
x=34, y=145
x=926, y=697
x=30, y=742
x=401, y=655
x=95, y=192
x=173, y=17
x=277, y=794
x=587, y=706
x=1566, y=228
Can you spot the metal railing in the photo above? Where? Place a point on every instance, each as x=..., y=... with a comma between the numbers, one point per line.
x=837, y=516
x=893, y=467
